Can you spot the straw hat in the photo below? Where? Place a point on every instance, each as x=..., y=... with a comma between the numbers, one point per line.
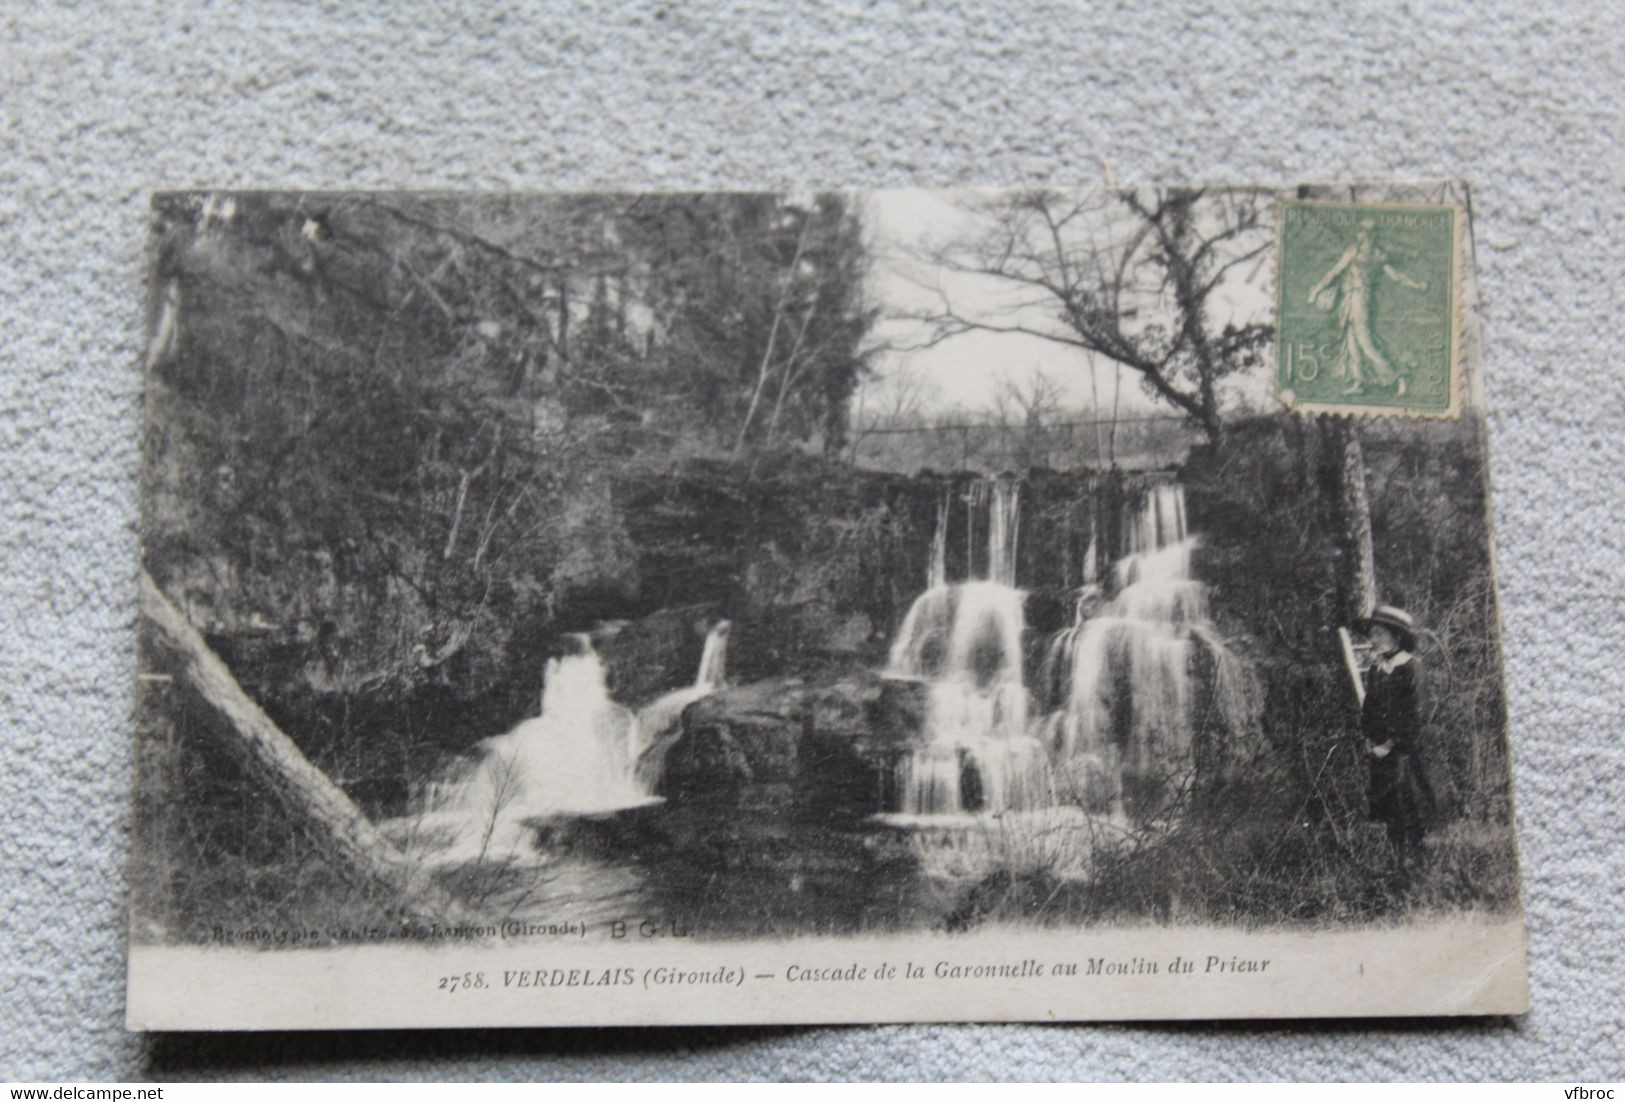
x=1396, y=620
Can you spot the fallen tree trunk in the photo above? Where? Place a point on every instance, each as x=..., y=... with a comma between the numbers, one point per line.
x=316, y=806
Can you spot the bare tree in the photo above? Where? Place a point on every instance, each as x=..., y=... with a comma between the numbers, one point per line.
x=1025, y=411
x=796, y=292
x=1129, y=276
x=893, y=403
x=781, y=312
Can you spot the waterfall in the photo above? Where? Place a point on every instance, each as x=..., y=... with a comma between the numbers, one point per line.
x=978, y=756
x=714, y=658
x=572, y=759
x=921, y=642
x=1129, y=683
x=975, y=500
x=937, y=574
x=1128, y=670
x=583, y=755
x=965, y=641
x=1004, y=514
x=1091, y=569
x=934, y=622
x=662, y=717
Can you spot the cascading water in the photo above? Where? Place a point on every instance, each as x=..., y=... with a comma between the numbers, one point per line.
x=1003, y=528
x=572, y=759
x=1128, y=669
x=966, y=641
x=580, y=756
x=714, y=658
x=937, y=575
x=661, y=717
x=975, y=504
x=1124, y=676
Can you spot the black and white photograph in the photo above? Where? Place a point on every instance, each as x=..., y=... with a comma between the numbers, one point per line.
x=816, y=606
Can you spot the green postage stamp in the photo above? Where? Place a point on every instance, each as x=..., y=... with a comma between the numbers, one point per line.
x=1367, y=308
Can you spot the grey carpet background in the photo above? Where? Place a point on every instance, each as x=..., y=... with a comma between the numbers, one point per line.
x=101, y=103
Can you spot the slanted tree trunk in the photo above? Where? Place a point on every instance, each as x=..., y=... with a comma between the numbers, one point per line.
x=779, y=308
x=317, y=806
x=1343, y=469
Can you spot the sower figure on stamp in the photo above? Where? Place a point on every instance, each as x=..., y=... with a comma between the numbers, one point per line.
x=1349, y=286
x=1399, y=795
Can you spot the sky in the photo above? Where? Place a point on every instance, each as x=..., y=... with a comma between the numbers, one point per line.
x=966, y=371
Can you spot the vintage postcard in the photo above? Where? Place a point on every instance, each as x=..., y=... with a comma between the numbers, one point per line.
x=816, y=606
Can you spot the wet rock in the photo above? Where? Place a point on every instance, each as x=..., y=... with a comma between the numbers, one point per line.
x=898, y=714
x=604, y=833
x=787, y=747
x=1048, y=611
x=851, y=634
x=810, y=638
x=655, y=654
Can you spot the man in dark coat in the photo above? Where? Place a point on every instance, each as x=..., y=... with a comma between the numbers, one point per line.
x=1399, y=795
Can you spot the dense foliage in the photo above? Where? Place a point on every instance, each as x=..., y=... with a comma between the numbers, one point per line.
x=382, y=428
